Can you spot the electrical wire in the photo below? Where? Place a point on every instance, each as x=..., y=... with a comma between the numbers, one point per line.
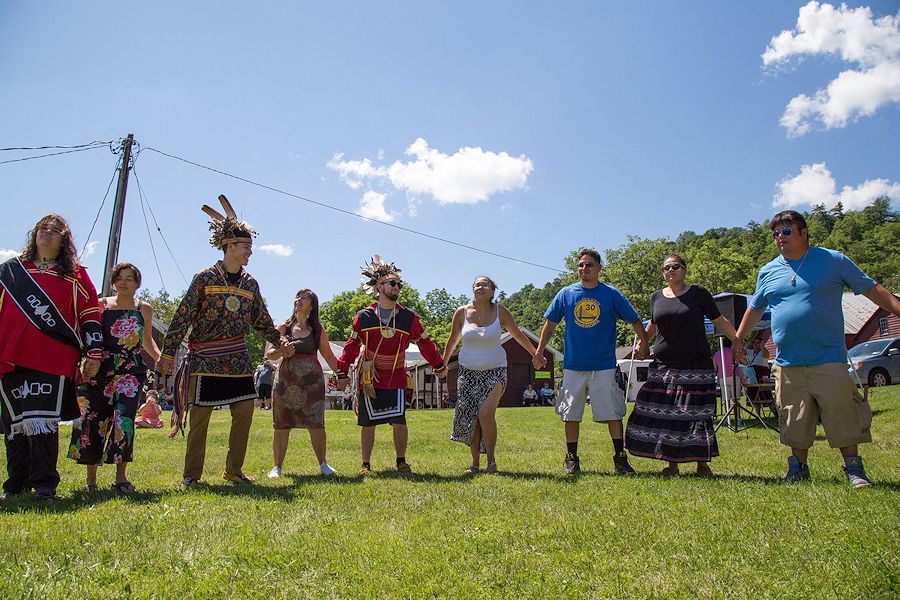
x=155, y=222
x=95, y=143
x=14, y=160
x=97, y=217
x=147, y=225
x=353, y=214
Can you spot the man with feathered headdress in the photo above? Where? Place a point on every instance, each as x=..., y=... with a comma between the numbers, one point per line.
x=383, y=331
x=220, y=306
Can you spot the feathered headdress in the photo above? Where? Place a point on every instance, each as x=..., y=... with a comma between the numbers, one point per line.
x=227, y=229
x=374, y=271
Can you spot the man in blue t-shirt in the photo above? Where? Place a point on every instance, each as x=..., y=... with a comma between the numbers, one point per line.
x=590, y=309
x=803, y=288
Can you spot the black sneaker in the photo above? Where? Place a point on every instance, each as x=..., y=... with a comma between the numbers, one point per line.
x=620, y=462
x=571, y=465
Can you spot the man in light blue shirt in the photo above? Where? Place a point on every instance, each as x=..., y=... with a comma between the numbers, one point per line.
x=590, y=309
x=803, y=288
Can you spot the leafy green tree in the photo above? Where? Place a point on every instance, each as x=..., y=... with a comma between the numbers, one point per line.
x=164, y=305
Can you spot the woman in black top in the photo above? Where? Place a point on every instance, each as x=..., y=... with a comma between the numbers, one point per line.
x=674, y=410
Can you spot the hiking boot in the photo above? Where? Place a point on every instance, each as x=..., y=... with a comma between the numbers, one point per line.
x=571, y=465
x=796, y=472
x=238, y=477
x=856, y=474
x=364, y=470
x=620, y=463
x=188, y=483
x=404, y=468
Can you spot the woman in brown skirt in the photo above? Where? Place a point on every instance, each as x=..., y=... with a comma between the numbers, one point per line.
x=298, y=397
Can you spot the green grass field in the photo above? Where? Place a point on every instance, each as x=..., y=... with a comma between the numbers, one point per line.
x=529, y=532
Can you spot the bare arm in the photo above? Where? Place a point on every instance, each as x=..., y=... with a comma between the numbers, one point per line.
x=274, y=352
x=538, y=361
x=737, y=344
x=643, y=343
x=751, y=318
x=455, y=331
x=149, y=343
x=883, y=298
x=325, y=351
x=508, y=322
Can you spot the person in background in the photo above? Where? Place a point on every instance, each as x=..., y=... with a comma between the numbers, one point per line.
x=547, y=394
x=530, y=396
x=149, y=412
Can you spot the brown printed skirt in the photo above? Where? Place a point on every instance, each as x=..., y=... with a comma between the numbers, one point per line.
x=298, y=398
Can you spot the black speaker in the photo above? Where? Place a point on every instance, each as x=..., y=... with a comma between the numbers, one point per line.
x=732, y=307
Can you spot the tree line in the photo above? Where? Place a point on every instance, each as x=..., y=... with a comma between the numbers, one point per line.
x=720, y=259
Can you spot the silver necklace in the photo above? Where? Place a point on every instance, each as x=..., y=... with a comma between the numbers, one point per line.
x=797, y=270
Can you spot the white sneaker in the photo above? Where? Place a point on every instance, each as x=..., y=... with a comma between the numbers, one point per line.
x=275, y=473
x=327, y=471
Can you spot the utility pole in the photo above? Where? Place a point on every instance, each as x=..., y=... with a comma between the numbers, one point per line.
x=115, y=228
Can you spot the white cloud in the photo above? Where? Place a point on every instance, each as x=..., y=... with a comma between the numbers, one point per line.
x=815, y=185
x=469, y=176
x=372, y=207
x=90, y=249
x=7, y=254
x=873, y=45
x=277, y=249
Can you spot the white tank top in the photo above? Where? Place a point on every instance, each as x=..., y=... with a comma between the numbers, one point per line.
x=481, y=349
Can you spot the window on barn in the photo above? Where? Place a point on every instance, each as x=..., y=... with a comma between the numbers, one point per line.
x=883, y=325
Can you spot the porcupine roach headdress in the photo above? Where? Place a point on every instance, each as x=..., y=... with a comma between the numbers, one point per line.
x=375, y=270
x=227, y=229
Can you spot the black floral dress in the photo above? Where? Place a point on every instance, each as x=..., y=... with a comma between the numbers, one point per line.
x=109, y=403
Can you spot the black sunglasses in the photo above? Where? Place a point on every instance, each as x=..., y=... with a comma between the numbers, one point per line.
x=394, y=283
x=673, y=267
x=785, y=231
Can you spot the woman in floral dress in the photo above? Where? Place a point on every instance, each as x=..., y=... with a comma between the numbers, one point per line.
x=109, y=402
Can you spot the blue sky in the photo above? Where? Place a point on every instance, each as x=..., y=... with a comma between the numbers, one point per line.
x=527, y=129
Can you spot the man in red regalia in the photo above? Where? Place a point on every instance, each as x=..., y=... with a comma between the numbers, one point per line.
x=383, y=331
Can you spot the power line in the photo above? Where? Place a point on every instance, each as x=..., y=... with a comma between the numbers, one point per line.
x=149, y=236
x=95, y=143
x=155, y=222
x=353, y=214
x=97, y=217
x=3, y=162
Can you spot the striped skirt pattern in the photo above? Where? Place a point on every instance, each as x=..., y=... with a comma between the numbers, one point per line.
x=673, y=415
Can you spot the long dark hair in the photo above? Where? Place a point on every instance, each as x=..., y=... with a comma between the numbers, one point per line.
x=314, y=322
x=67, y=264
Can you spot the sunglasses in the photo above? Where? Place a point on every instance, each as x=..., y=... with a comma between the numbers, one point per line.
x=673, y=267
x=481, y=286
x=785, y=231
x=394, y=283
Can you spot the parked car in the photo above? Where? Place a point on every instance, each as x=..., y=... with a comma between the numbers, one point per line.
x=877, y=362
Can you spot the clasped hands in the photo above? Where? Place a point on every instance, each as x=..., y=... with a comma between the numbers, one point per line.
x=90, y=367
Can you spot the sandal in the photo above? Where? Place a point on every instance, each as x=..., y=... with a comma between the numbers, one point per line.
x=123, y=487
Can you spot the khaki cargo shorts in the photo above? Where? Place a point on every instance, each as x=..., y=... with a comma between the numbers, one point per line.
x=806, y=394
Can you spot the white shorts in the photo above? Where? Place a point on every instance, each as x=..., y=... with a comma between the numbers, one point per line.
x=607, y=398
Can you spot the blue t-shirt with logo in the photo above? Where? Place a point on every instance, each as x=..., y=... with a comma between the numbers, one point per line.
x=590, y=315
x=807, y=316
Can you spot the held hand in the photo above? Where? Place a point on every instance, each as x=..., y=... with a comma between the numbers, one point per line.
x=90, y=368
x=441, y=373
x=342, y=383
x=286, y=348
x=641, y=351
x=740, y=351
x=165, y=365
x=538, y=361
